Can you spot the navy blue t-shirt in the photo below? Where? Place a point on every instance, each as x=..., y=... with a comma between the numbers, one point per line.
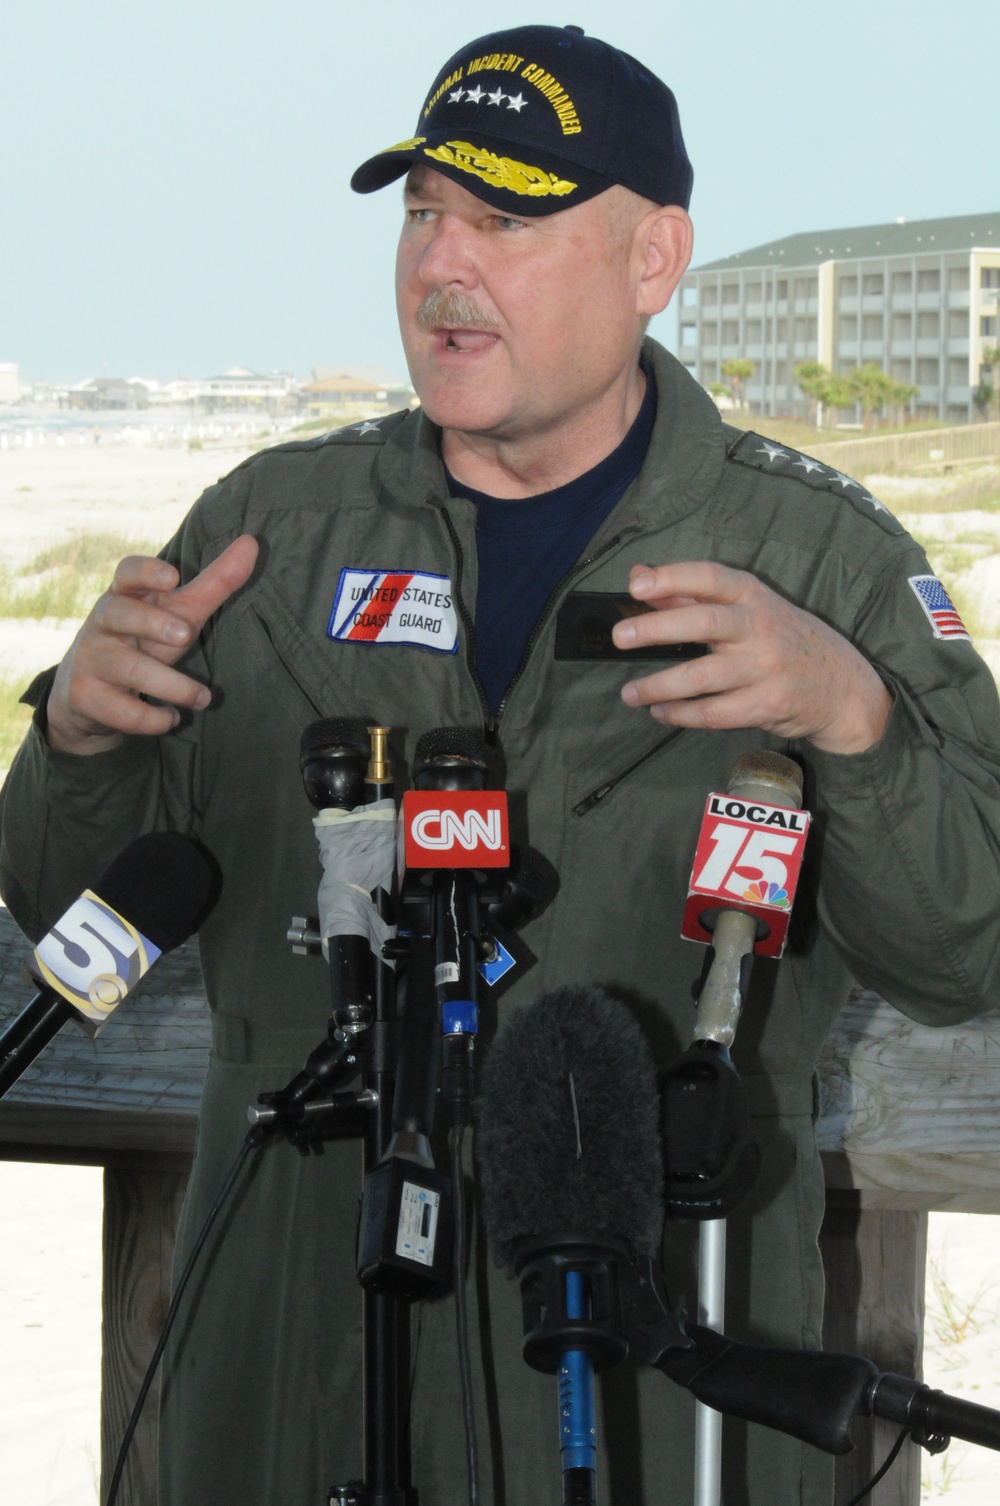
x=526, y=546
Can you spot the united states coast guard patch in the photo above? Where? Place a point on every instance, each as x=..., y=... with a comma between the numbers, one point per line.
x=403, y=607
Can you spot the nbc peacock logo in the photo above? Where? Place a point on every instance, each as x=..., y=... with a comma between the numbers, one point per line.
x=761, y=893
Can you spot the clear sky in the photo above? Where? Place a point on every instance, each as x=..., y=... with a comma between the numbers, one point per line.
x=174, y=173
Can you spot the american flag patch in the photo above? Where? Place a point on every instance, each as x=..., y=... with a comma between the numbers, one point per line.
x=402, y=607
x=939, y=607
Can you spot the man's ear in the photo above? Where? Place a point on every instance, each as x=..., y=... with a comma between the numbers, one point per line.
x=664, y=242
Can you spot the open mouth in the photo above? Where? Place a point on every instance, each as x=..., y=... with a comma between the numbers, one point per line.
x=463, y=339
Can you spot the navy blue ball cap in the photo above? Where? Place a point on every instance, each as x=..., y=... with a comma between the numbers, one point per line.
x=539, y=118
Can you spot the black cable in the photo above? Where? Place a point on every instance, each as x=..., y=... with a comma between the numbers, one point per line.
x=890, y=1461
x=253, y=1141
x=455, y=1137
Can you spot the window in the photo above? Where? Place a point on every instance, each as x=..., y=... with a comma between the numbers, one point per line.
x=989, y=277
x=902, y=282
x=958, y=279
x=928, y=372
x=769, y=291
x=844, y=368
x=753, y=292
x=782, y=331
x=901, y=370
x=730, y=331
x=689, y=334
x=929, y=282
x=783, y=288
x=902, y=326
x=767, y=373
x=871, y=327
x=806, y=287
x=801, y=331
x=958, y=324
x=689, y=295
x=781, y=371
x=958, y=373
x=988, y=326
x=872, y=284
x=848, y=287
x=730, y=292
x=709, y=332
x=848, y=327
x=709, y=371
x=929, y=326
x=710, y=295
x=754, y=332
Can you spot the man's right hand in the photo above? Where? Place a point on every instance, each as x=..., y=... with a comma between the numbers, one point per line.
x=142, y=624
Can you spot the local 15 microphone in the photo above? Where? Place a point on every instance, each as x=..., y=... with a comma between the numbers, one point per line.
x=572, y=1190
x=743, y=880
x=151, y=898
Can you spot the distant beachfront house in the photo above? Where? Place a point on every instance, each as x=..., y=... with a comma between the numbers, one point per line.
x=917, y=298
x=10, y=382
x=237, y=390
x=108, y=393
x=347, y=394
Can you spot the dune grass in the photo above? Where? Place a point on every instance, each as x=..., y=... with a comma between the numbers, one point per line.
x=14, y=718
x=66, y=579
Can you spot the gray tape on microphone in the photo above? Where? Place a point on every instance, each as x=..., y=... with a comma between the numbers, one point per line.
x=357, y=849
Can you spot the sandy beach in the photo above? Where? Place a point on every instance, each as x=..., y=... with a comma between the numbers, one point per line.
x=50, y=1262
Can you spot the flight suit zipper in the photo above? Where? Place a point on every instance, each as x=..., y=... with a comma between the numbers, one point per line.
x=602, y=791
x=491, y=723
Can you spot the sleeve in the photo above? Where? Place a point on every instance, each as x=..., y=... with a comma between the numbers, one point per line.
x=64, y=817
x=909, y=830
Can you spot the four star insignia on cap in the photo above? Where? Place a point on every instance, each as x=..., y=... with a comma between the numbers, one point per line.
x=475, y=94
x=454, y=98
x=777, y=460
x=496, y=98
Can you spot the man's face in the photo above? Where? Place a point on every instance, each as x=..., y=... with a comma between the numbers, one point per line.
x=546, y=314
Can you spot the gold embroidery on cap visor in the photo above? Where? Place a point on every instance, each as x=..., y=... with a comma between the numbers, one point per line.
x=404, y=146
x=499, y=172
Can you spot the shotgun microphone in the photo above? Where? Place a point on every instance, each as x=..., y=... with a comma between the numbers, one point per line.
x=151, y=898
x=572, y=1188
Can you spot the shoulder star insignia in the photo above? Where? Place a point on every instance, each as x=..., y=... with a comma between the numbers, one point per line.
x=773, y=451
x=878, y=506
x=367, y=427
x=453, y=99
x=808, y=465
x=475, y=94
x=496, y=98
x=516, y=102
x=845, y=481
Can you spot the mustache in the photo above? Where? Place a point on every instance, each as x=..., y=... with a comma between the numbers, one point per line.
x=451, y=306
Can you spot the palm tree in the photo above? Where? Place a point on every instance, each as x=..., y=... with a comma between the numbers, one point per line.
x=739, y=371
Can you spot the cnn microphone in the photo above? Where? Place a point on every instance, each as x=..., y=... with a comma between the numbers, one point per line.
x=572, y=1191
x=151, y=898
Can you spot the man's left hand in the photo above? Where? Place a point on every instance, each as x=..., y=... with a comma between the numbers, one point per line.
x=771, y=665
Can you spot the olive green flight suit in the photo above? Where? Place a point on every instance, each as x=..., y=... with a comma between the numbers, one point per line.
x=263, y=1384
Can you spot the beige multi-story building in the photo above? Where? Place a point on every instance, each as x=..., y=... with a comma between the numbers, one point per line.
x=919, y=298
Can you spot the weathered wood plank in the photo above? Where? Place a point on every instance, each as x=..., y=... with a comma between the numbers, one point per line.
x=874, y=1262
x=141, y=1210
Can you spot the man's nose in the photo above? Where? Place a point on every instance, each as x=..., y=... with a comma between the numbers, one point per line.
x=449, y=257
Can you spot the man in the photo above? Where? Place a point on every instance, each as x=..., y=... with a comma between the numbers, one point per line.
x=556, y=452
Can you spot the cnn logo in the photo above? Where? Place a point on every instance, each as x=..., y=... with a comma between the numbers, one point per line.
x=455, y=829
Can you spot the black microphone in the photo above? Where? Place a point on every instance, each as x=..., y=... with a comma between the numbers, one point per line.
x=813, y=1395
x=151, y=898
x=572, y=1190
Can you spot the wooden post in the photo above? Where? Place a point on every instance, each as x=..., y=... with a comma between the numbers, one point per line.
x=875, y=1260
x=142, y=1203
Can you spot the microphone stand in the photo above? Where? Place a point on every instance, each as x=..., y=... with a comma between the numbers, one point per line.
x=362, y=1037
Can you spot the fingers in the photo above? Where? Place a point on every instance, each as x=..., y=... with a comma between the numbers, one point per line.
x=134, y=617
x=204, y=595
x=701, y=580
x=710, y=675
x=140, y=573
x=700, y=622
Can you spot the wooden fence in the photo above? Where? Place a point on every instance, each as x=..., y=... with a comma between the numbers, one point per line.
x=930, y=449
x=909, y=1121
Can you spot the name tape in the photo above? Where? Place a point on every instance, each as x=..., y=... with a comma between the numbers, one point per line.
x=93, y=957
x=454, y=829
x=748, y=858
x=402, y=607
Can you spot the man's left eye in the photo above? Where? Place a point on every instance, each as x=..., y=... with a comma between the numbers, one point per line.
x=507, y=222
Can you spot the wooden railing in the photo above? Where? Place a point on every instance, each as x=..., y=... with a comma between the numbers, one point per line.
x=909, y=1121
x=929, y=449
